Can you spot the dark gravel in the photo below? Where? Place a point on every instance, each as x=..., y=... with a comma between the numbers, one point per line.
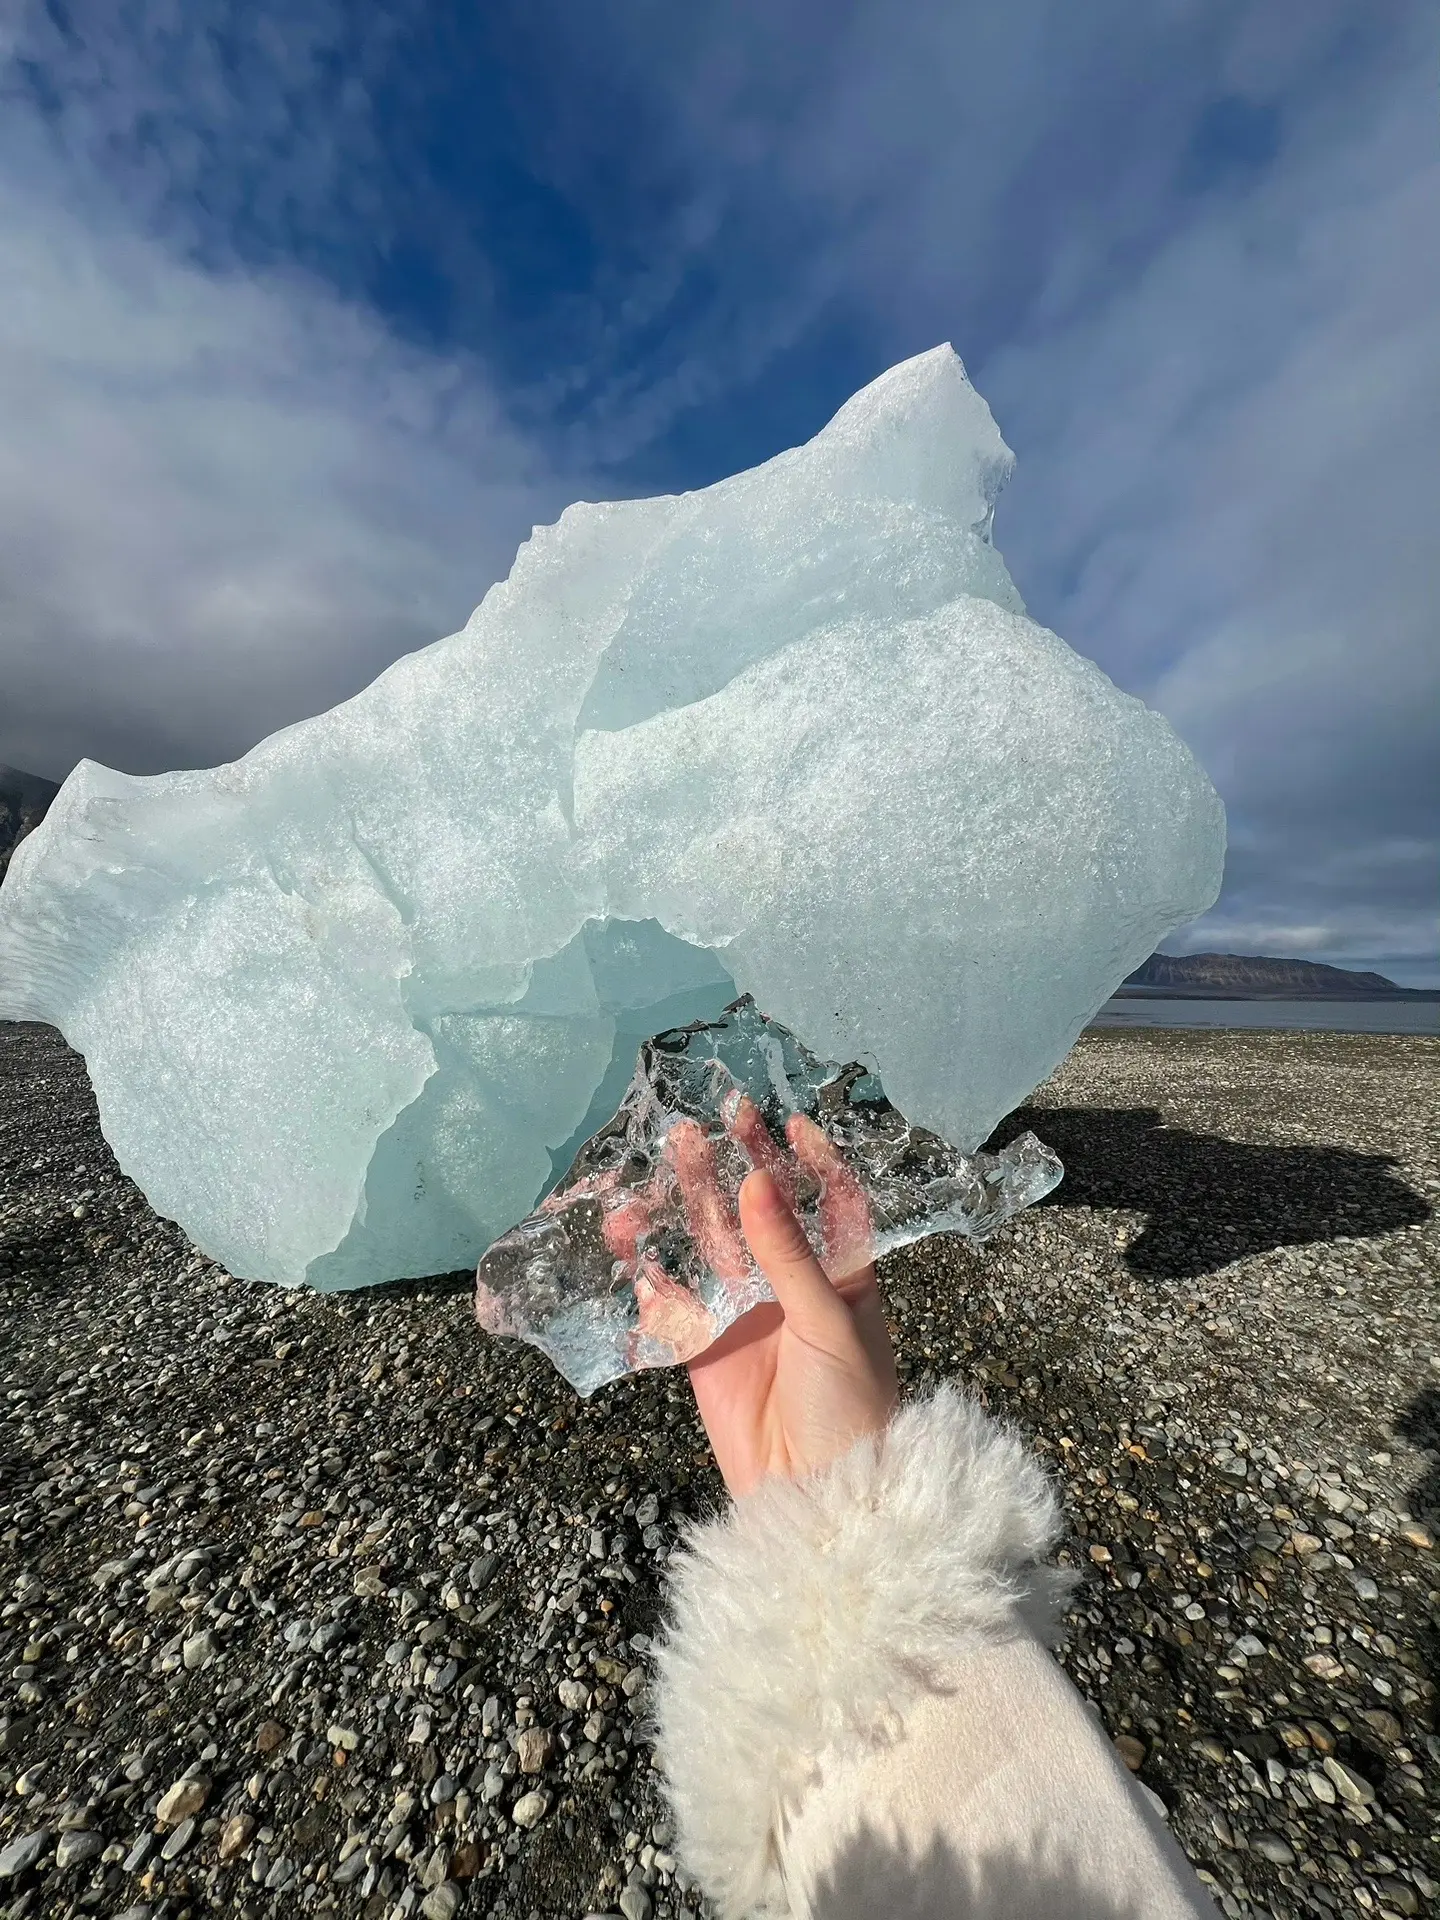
x=274, y=1569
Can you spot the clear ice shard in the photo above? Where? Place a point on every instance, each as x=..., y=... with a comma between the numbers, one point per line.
x=637, y=1258
x=351, y=1004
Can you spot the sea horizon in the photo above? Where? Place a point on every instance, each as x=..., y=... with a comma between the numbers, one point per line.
x=1355, y=1015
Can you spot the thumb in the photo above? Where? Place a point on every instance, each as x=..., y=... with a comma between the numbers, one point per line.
x=812, y=1307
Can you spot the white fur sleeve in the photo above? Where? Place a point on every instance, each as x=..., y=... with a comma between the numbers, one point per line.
x=811, y=1616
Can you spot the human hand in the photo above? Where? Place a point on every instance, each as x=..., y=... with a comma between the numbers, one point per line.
x=792, y=1384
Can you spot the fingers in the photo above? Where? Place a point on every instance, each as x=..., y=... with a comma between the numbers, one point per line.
x=844, y=1210
x=714, y=1226
x=746, y=1122
x=813, y=1309
x=624, y=1220
x=670, y=1313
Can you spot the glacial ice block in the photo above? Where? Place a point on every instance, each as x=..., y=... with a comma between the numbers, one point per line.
x=351, y=1004
x=637, y=1258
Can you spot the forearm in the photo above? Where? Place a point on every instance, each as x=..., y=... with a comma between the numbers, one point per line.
x=854, y=1704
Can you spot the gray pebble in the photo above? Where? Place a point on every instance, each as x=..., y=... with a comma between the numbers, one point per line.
x=139, y=1852
x=78, y=1844
x=179, y=1839
x=22, y=1854
x=1270, y=1846
x=198, y=1651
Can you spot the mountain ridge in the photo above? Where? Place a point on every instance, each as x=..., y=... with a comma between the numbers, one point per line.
x=24, y=801
x=1253, y=976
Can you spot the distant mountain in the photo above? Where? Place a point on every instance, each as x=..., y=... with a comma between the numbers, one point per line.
x=24, y=798
x=1252, y=976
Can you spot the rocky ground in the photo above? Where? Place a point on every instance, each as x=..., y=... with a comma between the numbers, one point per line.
x=276, y=1570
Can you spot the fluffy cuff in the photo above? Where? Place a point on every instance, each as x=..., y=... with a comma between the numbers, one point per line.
x=812, y=1614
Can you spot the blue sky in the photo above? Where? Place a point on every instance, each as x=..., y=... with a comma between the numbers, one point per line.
x=322, y=306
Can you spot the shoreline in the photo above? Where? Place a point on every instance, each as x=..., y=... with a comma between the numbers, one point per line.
x=1219, y=1333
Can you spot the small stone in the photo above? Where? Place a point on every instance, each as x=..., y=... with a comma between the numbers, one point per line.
x=22, y=1854
x=465, y=1861
x=1270, y=1846
x=635, y=1904
x=179, y=1840
x=533, y=1748
x=281, y=1873
x=494, y=1784
x=442, y=1902
x=1321, y=1786
x=1130, y=1750
x=198, y=1651
x=1351, y=1786
x=77, y=1845
x=1324, y=1666
x=343, y=1737
x=1386, y=1725
x=530, y=1808
x=268, y=1736
x=1209, y=1748
x=182, y=1801
x=1418, y=1537
x=234, y=1837
x=573, y=1695
x=1399, y=1897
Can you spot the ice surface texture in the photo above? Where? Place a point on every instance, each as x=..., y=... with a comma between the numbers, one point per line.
x=637, y=1258
x=351, y=1004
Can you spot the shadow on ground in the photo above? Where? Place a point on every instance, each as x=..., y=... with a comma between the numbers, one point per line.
x=1419, y=1423
x=1212, y=1200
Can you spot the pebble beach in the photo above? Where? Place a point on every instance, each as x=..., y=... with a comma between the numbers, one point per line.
x=333, y=1605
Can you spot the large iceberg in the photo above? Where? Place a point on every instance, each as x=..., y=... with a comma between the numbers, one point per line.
x=352, y=1004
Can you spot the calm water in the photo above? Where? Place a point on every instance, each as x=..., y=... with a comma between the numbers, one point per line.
x=1324, y=1016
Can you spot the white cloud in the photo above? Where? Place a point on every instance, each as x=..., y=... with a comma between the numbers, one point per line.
x=1226, y=406
x=226, y=499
